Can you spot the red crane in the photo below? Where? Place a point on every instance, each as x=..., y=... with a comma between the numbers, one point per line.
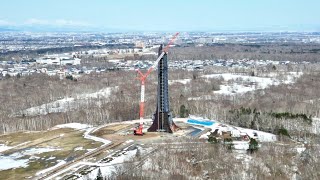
x=143, y=78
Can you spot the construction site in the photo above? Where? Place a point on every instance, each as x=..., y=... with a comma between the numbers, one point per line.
x=80, y=151
x=74, y=151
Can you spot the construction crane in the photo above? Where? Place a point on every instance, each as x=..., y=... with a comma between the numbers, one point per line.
x=143, y=78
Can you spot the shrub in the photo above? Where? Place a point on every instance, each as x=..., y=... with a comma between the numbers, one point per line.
x=283, y=131
x=212, y=140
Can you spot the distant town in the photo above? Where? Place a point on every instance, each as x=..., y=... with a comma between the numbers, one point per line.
x=23, y=53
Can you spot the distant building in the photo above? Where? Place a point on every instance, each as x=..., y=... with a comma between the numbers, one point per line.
x=139, y=44
x=59, y=60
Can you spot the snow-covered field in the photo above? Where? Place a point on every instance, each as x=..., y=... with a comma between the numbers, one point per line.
x=67, y=104
x=8, y=162
x=17, y=159
x=243, y=83
x=239, y=84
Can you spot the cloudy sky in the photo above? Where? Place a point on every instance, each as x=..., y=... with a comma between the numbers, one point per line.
x=164, y=15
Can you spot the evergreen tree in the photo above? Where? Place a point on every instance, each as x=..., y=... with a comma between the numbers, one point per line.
x=253, y=145
x=183, y=111
x=99, y=175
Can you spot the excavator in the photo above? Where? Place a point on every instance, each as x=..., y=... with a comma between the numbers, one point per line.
x=138, y=130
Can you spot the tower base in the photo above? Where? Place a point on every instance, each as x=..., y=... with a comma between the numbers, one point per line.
x=162, y=122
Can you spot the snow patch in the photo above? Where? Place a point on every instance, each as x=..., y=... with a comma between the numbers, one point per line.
x=4, y=147
x=244, y=83
x=240, y=145
x=89, y=150
x=15, y=160
x=262, y=136
x=51, y=158
x=300, y=149
x=182, y=81
x=67, y=104
x=33, y=151
x=78, y=149
x=128, y=141
x=8, y=162
x=78, y=126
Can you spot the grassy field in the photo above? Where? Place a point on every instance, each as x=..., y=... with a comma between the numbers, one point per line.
x=65, y=145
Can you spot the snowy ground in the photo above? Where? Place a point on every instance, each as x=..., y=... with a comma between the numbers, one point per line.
x=67, y=104
x=8, y=162
x=239, y=84
x=243, y=84
x=182, y=81
x=4, y=147
x=78, y=126
x=19, y=159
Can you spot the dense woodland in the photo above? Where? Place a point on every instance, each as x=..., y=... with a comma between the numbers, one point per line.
x=272, y=51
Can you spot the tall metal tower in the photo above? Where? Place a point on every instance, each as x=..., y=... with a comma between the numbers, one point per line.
x=162, y=118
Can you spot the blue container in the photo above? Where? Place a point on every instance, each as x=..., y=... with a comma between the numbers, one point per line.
x=200, y=122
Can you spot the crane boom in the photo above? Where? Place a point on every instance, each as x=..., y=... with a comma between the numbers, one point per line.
x=171, y=42
x=165, y=50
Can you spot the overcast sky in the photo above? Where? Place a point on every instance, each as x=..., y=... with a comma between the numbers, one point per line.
x=165, y=15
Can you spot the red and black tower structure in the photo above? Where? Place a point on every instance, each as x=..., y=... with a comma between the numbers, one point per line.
x=162, y=118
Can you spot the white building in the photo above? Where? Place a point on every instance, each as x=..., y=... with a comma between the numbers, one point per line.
x=59, y=60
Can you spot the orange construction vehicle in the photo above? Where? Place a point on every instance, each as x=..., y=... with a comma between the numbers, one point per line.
x=138, y=130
